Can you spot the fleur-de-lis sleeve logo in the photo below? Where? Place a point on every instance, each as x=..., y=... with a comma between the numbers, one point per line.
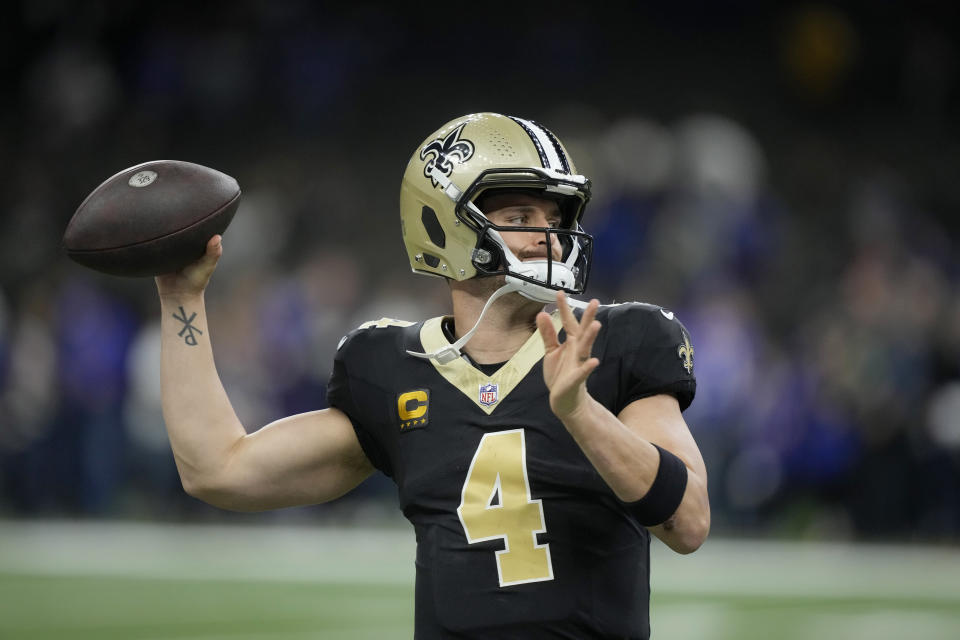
x=443, y=152
x=685, y=353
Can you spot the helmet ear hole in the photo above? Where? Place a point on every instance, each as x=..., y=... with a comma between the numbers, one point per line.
x=488, y=256
x=434, y=229
x=431, y=260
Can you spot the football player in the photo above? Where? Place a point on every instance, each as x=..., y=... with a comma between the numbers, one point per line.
x=534, y=453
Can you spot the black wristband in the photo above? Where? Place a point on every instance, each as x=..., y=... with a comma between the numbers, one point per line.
x=665, y=494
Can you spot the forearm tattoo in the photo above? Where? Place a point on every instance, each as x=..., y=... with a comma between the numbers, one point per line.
x=189, y=332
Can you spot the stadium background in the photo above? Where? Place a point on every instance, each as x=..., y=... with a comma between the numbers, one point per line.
x=783, y=177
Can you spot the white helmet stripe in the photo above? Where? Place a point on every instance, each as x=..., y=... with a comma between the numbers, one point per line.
x=564, y=161
x=549, y=153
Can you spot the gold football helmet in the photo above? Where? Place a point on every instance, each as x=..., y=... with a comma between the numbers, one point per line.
x=446, y=233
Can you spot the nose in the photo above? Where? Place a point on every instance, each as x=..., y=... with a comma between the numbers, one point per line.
x=541, y=240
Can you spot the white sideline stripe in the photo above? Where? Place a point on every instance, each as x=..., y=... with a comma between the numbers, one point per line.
x=208, y=552
x=386, y=631
x=698, y=620
x=806, y=569
x=319, y=554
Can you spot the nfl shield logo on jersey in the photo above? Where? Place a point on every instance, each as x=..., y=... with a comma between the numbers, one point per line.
x=488, y=394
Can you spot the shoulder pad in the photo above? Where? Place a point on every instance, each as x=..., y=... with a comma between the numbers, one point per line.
x=382, y=323
x=385, y=322
x=637, y=323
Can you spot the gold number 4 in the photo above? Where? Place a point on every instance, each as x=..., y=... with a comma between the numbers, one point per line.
x=496, y=503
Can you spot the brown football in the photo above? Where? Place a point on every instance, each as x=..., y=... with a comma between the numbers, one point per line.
x=152, y=218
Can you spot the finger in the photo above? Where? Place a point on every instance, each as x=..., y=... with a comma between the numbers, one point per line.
x=586, y=338
x=215, y=246
x=583, y=371
x=590, y=312
x=570, y=324
x=587, y=368
x=199, y=272
x=547, y=331
x=213, y=252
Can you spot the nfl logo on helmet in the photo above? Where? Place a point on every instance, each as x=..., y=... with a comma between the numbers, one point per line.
x=488, y=394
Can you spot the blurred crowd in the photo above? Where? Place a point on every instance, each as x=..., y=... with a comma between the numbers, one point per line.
x=793, y=202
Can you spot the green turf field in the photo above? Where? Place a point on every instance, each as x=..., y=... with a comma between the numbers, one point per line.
x=129, y=581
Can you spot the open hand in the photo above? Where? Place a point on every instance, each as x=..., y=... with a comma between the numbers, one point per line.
x=567, y=366
x=193, y=278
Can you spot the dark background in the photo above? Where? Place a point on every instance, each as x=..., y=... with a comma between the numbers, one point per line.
x=783, y=175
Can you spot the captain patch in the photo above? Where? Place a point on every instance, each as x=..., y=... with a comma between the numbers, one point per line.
x=413, y=408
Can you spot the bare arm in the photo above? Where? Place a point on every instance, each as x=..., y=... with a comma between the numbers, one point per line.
x=304, y=459
x=619, y=446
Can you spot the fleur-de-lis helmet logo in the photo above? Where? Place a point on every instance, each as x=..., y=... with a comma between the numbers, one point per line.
x=442, y=153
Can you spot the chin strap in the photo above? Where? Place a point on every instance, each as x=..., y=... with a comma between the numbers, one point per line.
x=452, y=352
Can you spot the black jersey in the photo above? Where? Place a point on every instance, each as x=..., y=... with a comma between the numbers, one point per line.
x=517, y=534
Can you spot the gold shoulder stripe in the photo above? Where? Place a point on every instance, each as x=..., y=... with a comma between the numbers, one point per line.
x=385, y=322
x=468, y=379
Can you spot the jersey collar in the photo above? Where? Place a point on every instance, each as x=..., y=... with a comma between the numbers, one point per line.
x=469, y=380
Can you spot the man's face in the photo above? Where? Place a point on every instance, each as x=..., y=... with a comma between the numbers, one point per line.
x=525, y=210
